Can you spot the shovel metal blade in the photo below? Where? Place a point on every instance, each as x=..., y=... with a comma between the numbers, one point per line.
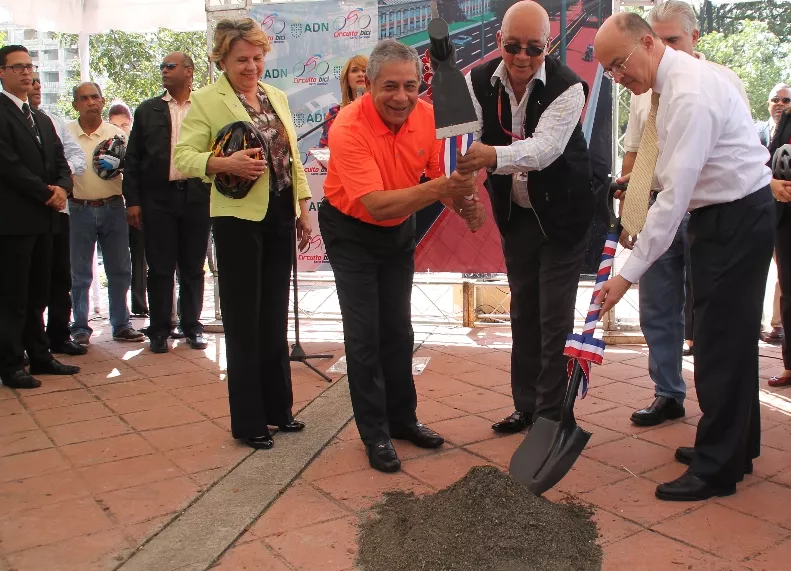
x=547, y=454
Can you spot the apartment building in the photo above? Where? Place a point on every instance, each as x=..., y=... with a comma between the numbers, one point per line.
x=56, y=64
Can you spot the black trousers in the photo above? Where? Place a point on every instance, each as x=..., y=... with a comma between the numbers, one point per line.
x=374, y=267
x=138, y=288
x=543, y=277
x=176, y=237
x=731, y=247
x=689, y=314
x=24, y=294
x=254, y=265
x=59, y=306
x=783, y=260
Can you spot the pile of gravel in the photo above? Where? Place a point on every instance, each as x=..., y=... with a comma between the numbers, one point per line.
x=484, y=522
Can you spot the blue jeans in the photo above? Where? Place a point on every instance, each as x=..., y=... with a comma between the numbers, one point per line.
x=108, y=225
x=661, y=295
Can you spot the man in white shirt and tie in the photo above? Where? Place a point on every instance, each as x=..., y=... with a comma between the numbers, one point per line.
x=711, y=163
x=663, y=303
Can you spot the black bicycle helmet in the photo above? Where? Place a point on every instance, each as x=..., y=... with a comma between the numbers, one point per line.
x=108, y=157
x=234, y=137
x=781, y=163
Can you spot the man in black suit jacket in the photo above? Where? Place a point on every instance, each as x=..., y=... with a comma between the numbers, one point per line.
x=34, y=185
x=173, y=209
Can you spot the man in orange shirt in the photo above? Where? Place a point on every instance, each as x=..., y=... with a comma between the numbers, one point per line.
x=380, y=147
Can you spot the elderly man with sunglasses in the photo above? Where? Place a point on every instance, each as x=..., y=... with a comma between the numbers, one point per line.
x=173, y=210
x=540, y=184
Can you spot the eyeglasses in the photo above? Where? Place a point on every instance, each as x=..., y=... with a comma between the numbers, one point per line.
x=169, y=65
x=516, y=49
x=20, y=67
x=785, y=100
x=620, y=68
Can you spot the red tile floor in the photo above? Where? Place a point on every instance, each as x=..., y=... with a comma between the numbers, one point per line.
x=91, y=465
x=312, y=526
x=94, y=464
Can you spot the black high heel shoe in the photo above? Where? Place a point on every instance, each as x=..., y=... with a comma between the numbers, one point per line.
x=293, y=426
x=263, y=442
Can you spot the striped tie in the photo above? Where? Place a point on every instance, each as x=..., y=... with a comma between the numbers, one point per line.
x=638, y=192
x=30, y=121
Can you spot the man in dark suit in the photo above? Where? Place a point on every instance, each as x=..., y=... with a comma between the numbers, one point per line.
x=34, y=186
x=173, y=209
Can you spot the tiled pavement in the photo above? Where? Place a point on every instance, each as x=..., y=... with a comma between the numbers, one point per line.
x=312, y=526
x=93, y=465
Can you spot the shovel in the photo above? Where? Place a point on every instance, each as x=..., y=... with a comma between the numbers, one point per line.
x=551, y=447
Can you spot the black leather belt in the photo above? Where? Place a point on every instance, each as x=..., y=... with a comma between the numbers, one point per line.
x=178, y=184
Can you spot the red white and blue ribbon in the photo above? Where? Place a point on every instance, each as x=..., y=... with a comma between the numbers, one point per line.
x=584, y=348
x=449, y=148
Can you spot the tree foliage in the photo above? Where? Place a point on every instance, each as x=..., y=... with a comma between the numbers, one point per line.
x=126, y=65
x=2, y=39
x=728, y=18
x=758, y=56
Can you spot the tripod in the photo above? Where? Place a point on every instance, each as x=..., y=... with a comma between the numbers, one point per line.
x=297, y=352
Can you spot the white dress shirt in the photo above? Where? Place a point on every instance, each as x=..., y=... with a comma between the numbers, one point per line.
x=177, y=114
x=549, y=139
x=74, y=153
x=640, y=105
x=708, y=151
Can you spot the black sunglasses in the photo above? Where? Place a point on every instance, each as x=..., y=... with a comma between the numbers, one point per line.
x=170, y=65
x=516, y=49
x=785, y=100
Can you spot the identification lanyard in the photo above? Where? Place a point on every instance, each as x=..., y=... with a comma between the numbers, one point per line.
x=500, y=115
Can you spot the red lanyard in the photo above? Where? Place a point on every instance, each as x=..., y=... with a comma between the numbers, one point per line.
x=500, y=115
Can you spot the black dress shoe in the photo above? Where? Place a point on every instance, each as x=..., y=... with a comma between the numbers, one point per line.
x=517, y=422
x=53, y=367
x=69, y=348
x=21, y=380
x=382, y=456
x=264, y=442
x=197, y=341
x=418, y=435
x=662, y=409
x=690, y=488
x=177, y=333
x=685, y=455
x=293, y=426
x=159, y=344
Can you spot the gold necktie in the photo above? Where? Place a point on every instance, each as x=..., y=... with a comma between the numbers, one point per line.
x=638, y=192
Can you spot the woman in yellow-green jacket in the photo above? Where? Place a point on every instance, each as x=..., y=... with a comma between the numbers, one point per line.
x=254, y=235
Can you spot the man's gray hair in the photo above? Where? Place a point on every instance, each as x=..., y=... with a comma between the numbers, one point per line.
x=387, y=51
x=77, y=87
x=675, y=10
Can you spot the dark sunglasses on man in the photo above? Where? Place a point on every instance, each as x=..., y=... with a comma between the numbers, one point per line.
x=169, y=65
x=516, y=49
x=784, y=100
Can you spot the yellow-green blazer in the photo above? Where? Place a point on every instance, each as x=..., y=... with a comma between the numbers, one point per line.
x=212, y=108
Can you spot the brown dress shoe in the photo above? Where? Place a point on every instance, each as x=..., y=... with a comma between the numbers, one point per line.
x=780, y=381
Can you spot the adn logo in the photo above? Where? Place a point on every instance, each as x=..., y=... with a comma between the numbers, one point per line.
x=275, y=28
x=300, y=28
x=275, y=73
x=355, y=24
x=313, y=70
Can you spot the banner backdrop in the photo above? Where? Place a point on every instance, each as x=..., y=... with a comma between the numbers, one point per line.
x=311, y=41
